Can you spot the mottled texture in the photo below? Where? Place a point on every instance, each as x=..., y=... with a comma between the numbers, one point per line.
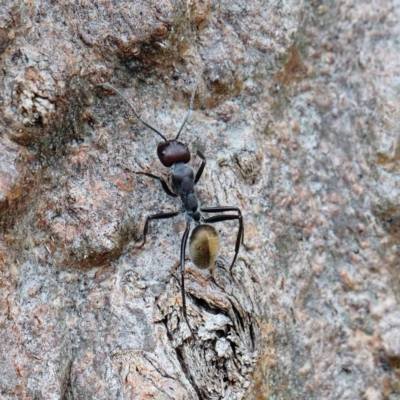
x=297, y=113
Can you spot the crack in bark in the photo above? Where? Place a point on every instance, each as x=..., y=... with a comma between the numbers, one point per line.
x=66, y=385
x=181, y=360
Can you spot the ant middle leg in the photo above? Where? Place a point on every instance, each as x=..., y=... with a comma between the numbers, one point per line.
x=227, y=217
x=162, y=181
x=156, y=216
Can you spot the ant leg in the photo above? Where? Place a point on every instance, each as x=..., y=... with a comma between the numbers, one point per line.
x=163, y=183
x=183, y=249
x=201, y=169
x=220, y=218
x=156, y=216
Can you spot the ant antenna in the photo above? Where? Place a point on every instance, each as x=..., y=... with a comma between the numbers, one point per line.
x=191, y=103
x=107, y=85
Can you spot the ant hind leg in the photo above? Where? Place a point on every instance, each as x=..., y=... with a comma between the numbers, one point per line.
x=183, y=250
x=227, y=217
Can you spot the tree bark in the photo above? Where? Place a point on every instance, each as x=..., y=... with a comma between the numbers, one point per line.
x=297, y=114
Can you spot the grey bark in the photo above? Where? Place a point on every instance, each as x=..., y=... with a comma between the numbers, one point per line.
x=297, y=112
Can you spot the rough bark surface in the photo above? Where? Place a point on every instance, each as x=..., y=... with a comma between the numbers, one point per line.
x=297, y=112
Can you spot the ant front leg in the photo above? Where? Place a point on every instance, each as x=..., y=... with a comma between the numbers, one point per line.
x=183, y=250
x=163, y=183
x=229, y=217
x=201, y=169
x=156, y=216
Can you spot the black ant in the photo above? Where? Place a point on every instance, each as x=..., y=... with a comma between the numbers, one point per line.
x=204, y=240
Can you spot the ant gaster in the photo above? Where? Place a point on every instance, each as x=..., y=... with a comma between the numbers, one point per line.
x=204, y=240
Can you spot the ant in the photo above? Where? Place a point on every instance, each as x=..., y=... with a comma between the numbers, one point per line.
x=204, y=241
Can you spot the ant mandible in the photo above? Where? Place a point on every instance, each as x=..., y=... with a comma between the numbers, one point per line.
x=204, y=240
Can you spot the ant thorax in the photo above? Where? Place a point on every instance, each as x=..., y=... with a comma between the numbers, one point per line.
x=182, y=179
x=183, y=184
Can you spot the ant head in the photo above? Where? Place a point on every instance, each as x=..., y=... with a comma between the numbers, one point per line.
x=204, y=246
x=172, y=152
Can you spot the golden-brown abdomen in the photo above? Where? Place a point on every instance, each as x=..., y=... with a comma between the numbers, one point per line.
x=204, y=246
